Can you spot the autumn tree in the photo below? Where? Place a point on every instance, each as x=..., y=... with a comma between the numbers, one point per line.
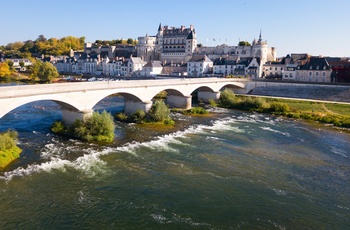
x=4, y=70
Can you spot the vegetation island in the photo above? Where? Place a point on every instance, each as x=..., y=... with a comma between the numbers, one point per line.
x=9, y=151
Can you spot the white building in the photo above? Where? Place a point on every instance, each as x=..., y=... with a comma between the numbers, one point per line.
x=289, y=72
x=316, y=69
x=152, y=68
x=237, y=67
x=17, y=63
x=146, y=48
x=135, y=64
x=199, y=65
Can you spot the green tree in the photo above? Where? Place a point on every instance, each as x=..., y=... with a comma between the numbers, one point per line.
x=227, y=98
x=47, y=72
x=199, y=45
x=34, y=69
x=130, y=41
x=244, y=43
x=10, y=64
x=21, y=64
x=98, y=127
x=159, y=111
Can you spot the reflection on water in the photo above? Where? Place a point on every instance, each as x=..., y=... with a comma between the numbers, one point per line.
x=232, y=170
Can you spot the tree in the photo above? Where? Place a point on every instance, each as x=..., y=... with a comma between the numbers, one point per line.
x=199, y=45
x=10, y=64
x=41, y=38
x=4, y=70
x=159, y=111
x=244, y=43
x=21, y=64
x=130, y=41
x=47, y=72
x=34, y=68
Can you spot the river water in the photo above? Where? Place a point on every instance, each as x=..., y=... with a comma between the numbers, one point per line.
x=230, y=170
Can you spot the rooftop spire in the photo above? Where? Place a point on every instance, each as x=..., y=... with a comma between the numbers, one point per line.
x=260, y=36
x=160, y=27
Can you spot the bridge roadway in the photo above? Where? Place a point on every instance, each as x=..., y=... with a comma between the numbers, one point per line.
x=78, y=99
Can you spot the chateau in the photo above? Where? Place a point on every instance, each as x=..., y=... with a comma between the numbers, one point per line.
x=171, y=44
x=174, y=51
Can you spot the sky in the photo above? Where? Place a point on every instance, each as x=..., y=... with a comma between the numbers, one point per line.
x=317, y=27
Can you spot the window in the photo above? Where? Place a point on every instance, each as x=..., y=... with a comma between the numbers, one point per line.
x=310, y=73
x=324, y=74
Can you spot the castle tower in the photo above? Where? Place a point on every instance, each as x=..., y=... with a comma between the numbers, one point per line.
x=191, y=43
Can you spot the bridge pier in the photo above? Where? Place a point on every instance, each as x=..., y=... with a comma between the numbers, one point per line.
x=205, y=96
x=70, y=116
x=132, y=106
x=182, y=102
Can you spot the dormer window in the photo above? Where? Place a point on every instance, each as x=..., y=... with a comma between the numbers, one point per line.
x=310, y=66
x=317, y=67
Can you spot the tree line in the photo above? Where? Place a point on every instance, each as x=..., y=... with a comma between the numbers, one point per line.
x=43, y=46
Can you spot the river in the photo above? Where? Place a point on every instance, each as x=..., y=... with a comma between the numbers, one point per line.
x=231, y=170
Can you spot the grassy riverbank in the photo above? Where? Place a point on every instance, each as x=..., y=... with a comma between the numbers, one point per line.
x=9, y=151
x=328, y=113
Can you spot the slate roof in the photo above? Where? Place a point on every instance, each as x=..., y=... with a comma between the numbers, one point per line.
x=154, y=64
x=224, y=61
x=190, y=35
x=316, y=63
x=200, y=58
x=137, y=60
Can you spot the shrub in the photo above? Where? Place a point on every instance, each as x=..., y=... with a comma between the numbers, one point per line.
x=169, y=121
x=159, y=111
x=279, y=107
x=213, y=103
x=138, y=116
x=57, y=127
x=227, y=98
x=98, y=127
x=196, y=110
x=8, y=140
x=346, y=123
x=121, y=117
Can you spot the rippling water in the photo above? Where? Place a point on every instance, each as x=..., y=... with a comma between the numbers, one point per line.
x=232, y=170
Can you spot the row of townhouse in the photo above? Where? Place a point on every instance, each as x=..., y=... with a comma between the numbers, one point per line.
x=94, y=65
x=299, y=67
x=197, y=66
x=237, y=67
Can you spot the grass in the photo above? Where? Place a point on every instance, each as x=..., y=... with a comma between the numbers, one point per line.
x=329, y=113
x=315, y=107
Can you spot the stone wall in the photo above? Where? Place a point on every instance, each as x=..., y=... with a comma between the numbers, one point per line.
x=340, y=93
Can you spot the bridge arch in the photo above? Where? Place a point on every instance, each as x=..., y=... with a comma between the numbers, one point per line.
x=234, y=87
x=64, y=102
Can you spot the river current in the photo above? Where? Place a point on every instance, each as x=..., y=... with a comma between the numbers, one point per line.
x=230, y=170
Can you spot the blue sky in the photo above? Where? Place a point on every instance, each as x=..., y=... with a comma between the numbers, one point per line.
x=317, y=27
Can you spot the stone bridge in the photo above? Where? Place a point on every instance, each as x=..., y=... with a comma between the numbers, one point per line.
x=78, y=99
